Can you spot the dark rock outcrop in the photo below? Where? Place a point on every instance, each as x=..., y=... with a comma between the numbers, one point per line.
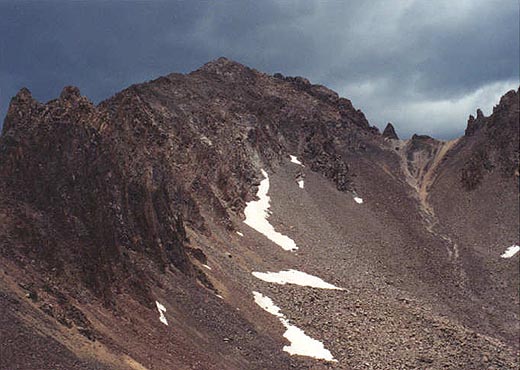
x=389, y=132
x=493, y=141
x=475, y=124
x=55, y=162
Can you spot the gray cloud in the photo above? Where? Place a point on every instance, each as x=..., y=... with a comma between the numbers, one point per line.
x=420, y=64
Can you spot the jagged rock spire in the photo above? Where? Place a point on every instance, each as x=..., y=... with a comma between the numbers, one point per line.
x=389, y=132
x=70, y=93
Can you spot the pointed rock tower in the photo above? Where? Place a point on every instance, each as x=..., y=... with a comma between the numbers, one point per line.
x=389, y=132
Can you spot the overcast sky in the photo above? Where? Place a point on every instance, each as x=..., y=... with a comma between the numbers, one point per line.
x=423, y=65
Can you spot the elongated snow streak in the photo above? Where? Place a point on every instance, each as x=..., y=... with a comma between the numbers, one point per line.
x=162, y=310
x=294, y=277
x=301, y=343
x=294, y=159
x=206, y=266
x=256, y=213
x=267, y=304
x=511, y=251
x=239, y=233
x=358, y=200
x=300, y=184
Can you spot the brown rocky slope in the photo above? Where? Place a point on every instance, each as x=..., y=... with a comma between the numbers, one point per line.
x=106, y=209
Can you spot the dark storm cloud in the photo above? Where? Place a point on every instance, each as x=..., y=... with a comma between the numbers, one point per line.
x=425, y=65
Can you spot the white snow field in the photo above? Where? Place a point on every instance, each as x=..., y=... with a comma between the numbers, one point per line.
x=294, y=159
x=358, y=200
x=294, y=277
x=162, y=310
x=301, y=343
x=511, y=251
x=301, y=184
x=256, y=213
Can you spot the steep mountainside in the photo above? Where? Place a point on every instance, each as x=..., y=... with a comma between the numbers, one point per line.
x=475, y=195
x=123, y=243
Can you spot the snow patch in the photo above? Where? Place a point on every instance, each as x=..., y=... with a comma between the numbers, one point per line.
x=256, y=213
x=294, y=277
x=162, y=310
x=239, y=233
x=267, y=304
x=358, y=200
x=300, y=184
x=294, y=159
x=206, y=266
x=511, y=251
x=301, y=343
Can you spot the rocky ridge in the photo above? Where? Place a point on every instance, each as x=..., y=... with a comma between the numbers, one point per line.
x=112, y=206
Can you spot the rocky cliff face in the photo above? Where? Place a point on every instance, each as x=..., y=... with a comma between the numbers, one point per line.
x=83, y=208
x=128, y=200
x=492, y=140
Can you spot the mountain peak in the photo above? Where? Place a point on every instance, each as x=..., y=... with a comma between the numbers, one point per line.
x=507, y=100
x=24, y=95
x=223, y=65
x=20, y=108
x=70, y=93
x=389, y=132
x=508, y=105
x=222, y=60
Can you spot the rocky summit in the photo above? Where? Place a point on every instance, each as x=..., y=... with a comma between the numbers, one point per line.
x=389, y=132
x=231, y=219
